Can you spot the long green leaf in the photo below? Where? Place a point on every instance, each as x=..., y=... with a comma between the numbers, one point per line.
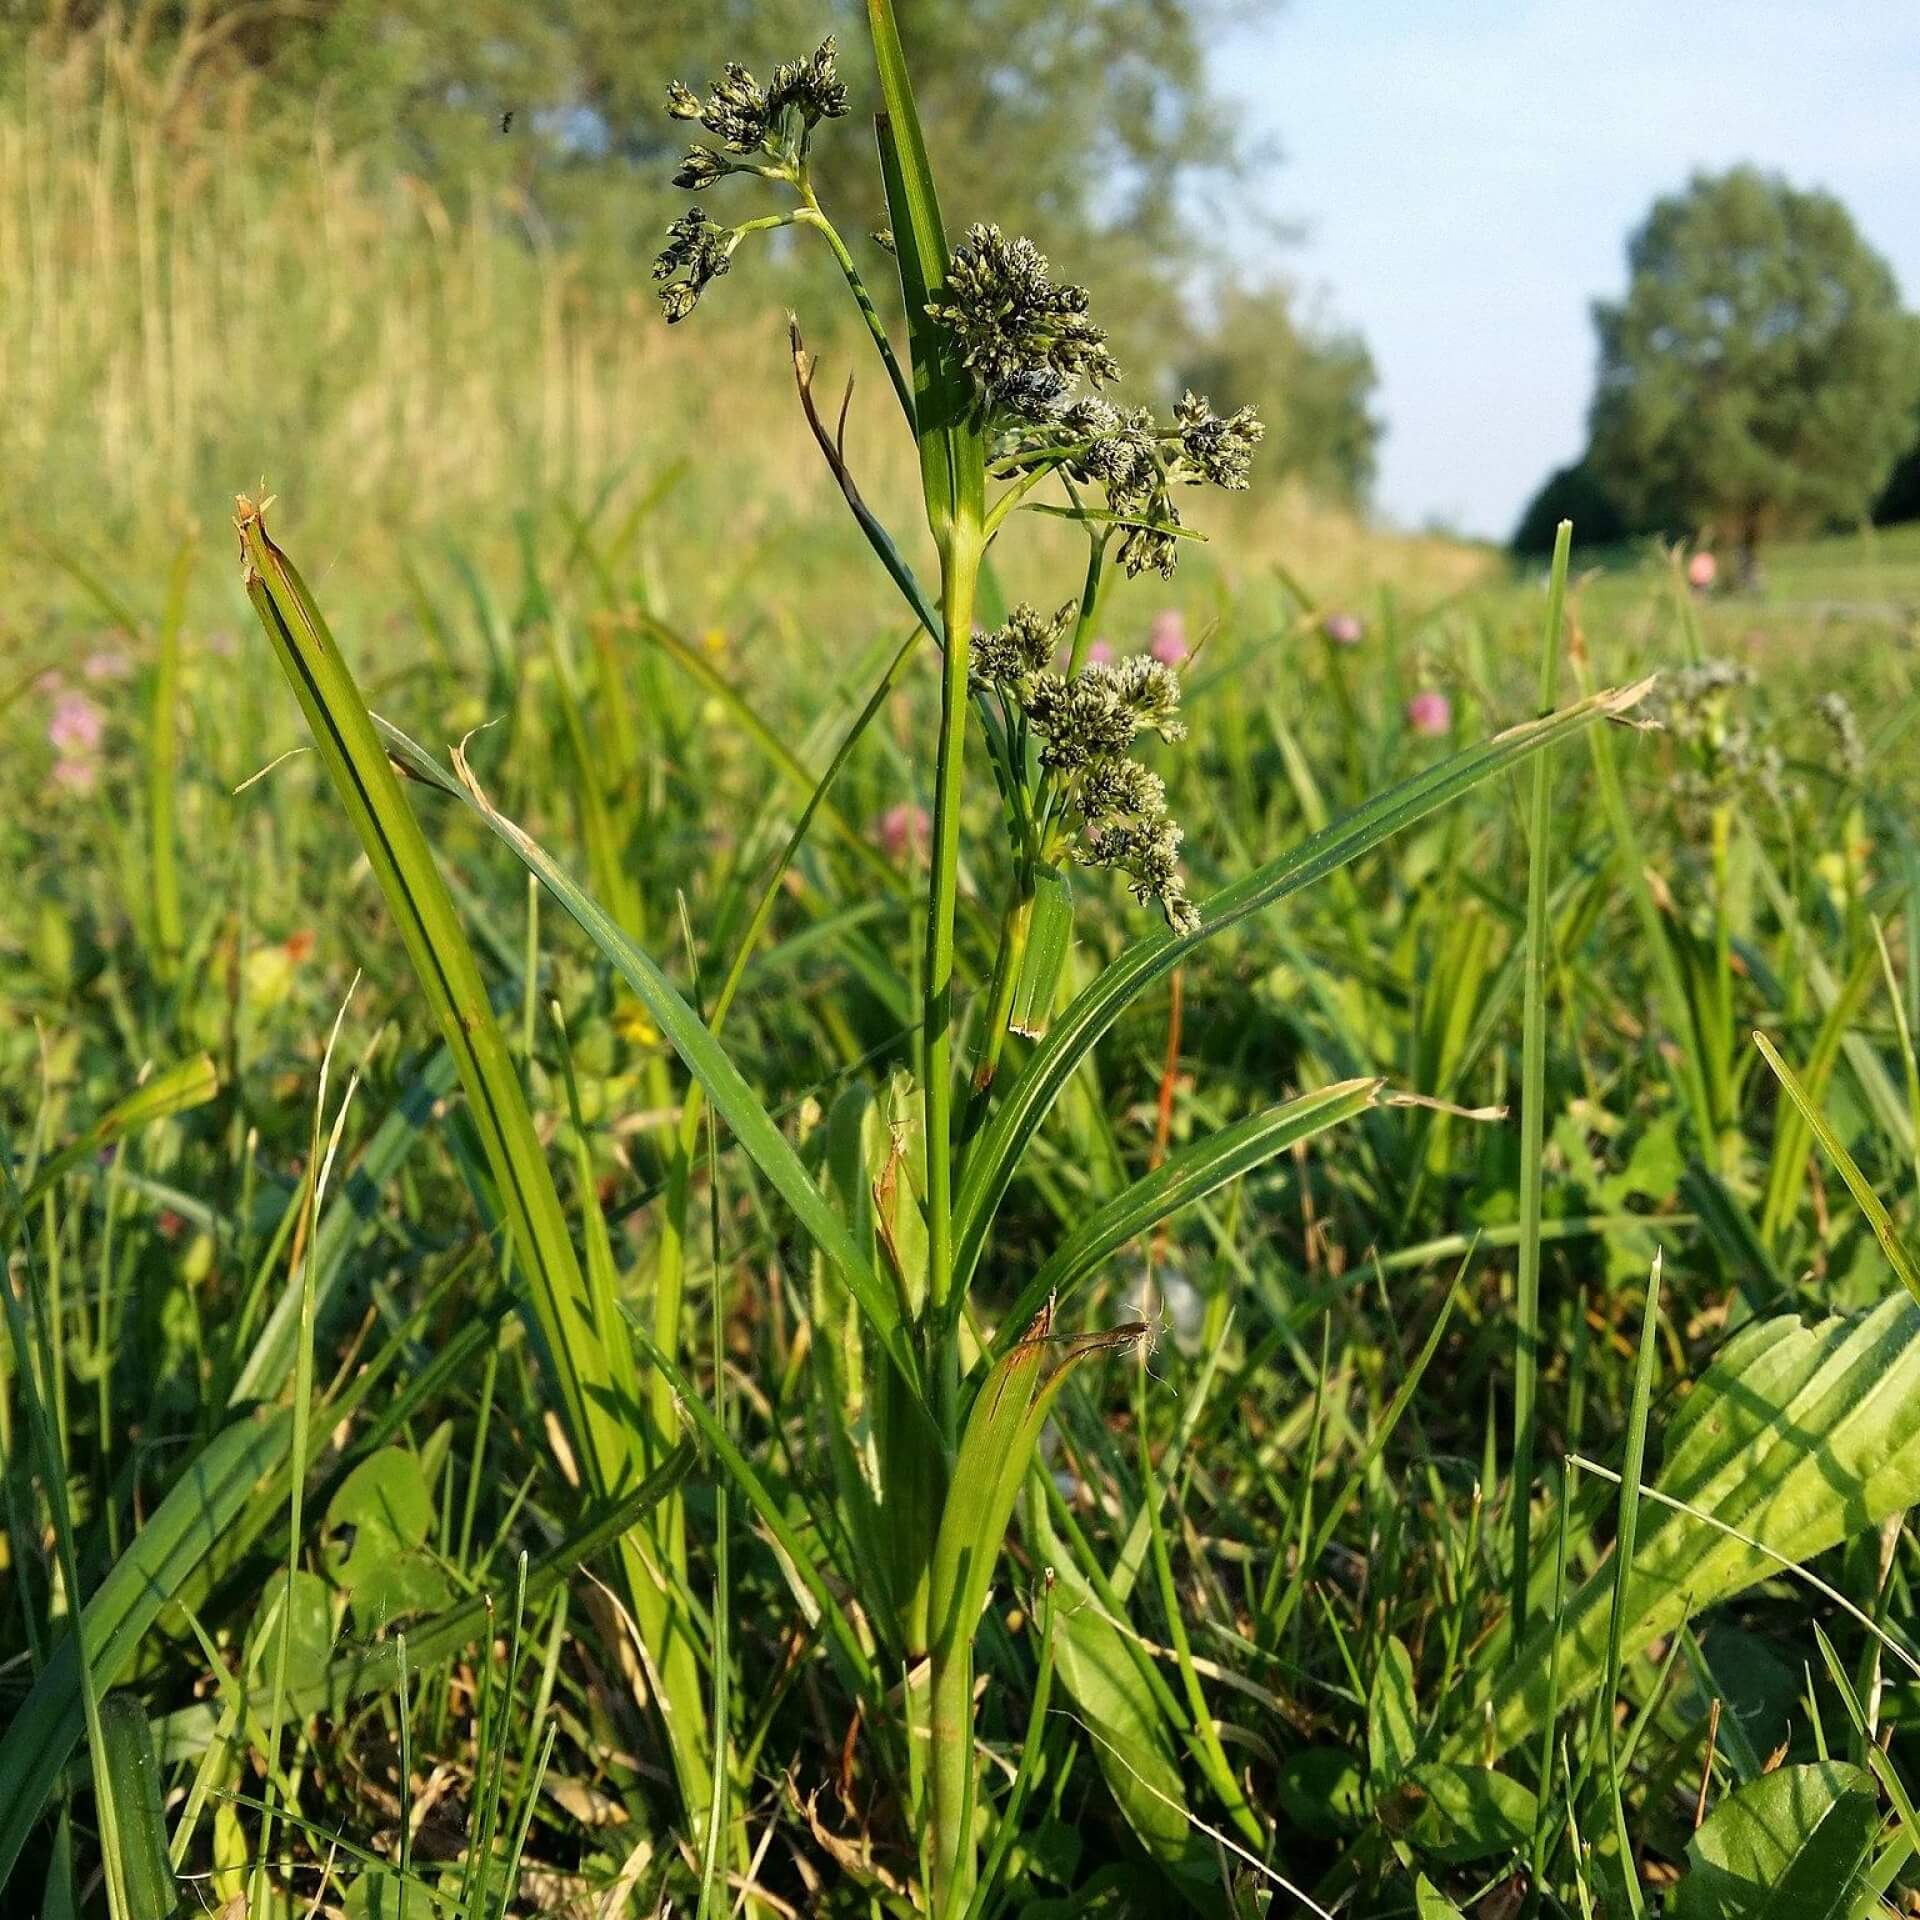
x=176, y=1538
x=1197, y=1170
x=1001, y=1143
x=605, y=1429
x=952, y=446
x=995, y=1451
x=1794, y=1439
x=1901, y=1261
x=1787, y=1165
x=733, y=1099
x=449, y=977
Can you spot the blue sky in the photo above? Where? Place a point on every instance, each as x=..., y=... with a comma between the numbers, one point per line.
x=1466, y=173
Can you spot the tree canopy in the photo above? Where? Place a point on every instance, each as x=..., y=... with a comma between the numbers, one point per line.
x=1760, y=373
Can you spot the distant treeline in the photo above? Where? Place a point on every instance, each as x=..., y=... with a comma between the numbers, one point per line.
x=1090, y=125
x=1759, y=377
x=1574, y=492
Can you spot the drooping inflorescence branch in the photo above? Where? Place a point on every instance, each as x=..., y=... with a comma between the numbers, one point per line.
x=1037, y=361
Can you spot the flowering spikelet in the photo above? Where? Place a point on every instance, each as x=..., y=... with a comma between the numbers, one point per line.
x=1122, y=787
x=1837, y=711
x=1725, y=742
x=1009, y=655
x=1025, y=340
x=812, y=85
x=702, y=250
x=737, y=111
x=1153, y=548
x=746, y=120
x=700, y=169
x=1081, y=719
x=1216, y=450
x=1085, y=725
x=1150, y=692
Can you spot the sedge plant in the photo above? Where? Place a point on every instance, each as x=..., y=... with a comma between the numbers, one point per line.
x=1002, y=387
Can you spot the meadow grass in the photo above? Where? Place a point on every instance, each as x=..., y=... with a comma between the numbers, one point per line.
x=588, y=1470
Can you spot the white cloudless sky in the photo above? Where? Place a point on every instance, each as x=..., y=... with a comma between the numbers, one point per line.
x=1466, y=173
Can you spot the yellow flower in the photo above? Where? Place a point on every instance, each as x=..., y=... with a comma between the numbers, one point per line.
x=633, y=1023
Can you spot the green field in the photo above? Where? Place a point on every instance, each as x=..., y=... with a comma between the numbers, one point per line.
x=1416, y=1379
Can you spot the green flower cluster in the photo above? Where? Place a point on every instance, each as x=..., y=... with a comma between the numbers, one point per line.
x=699, y=249
x=1029, y=343
x=772, y=124
x=1725, y=743
x=1836, y=710
x=747, y=120
x=1025, y=340
x=1084, y=725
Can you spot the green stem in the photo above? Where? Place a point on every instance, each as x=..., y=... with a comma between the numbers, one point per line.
x=1720, y=1040
x=1533, y=1082
x=959, y=581
x=952, y=1677
x=1014, y=926
x=813, y=216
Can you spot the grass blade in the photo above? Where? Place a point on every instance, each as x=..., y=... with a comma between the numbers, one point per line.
x=176, y=1538
x=952, y=447
x=605, y=1432
x=1533, y=1084
x=1191, y=1174
x=1902, y=1262
x=733, y=1099
x=1000, y=1144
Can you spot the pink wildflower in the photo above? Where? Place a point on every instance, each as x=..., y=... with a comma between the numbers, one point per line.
x=77, y=725
x=1430, y=713
x=902, y=829
x=1343, y=629
x=1167, y=637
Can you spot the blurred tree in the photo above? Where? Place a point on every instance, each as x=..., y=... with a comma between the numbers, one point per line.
x=1760, y=373
x=1900, y=497
x=1572, y=492
x=1312, y=383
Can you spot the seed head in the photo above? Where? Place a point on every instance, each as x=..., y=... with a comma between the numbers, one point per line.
x=702, y=250
x=737, y=111
x=682, y=102
x=700, y=169
x=1216, y=450
x=812, y=85
x=1148, y=852
x=1150, y=691
x=1025, y=340
x=1837, y=711
x=1121, y=787
x=679, y=300
x=1078, y=720
x=1154, y=547
x=1009, y=655
x=1089, y=418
